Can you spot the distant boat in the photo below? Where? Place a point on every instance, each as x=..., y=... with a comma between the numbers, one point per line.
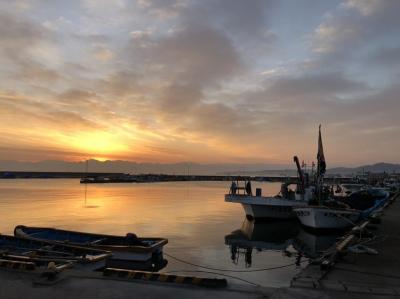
x=127, y=250
x=344, y=190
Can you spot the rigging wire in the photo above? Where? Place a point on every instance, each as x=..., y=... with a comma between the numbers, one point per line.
x=233, y=270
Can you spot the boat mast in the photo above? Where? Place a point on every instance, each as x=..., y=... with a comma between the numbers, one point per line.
x=301, y=175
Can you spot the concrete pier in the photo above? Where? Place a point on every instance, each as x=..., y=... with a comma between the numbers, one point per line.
x=80, y=285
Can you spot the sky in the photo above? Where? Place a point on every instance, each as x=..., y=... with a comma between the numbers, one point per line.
x=210, y=81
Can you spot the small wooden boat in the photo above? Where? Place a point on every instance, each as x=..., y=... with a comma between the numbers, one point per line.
x=127, y=251
x=12, y=247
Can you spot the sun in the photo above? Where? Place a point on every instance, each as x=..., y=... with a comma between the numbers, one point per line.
x=98, y=144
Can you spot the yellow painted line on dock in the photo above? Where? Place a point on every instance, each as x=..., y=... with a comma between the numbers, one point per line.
x=196, y=280
x=179, y=279
x=163, y=277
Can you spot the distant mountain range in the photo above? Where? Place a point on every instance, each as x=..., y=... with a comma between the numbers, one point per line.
x=183, y=168
x=374, y=168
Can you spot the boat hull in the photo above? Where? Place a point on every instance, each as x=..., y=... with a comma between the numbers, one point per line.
x=146, y=249
x=263, y=211
x=326, y=218
x=266, y=207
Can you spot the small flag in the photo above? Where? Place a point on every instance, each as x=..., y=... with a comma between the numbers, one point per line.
x=320, y=156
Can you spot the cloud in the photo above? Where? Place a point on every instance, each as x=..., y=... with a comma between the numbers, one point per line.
x=238, y=18
x=26, y=111
x=199, y=55
x=386, y=56
x=103, y=54
x=29, y=49
x=163, y=9
x=322, y=86
x=183, y=79
x=354, y=26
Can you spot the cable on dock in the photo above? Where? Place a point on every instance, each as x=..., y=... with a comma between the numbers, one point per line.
x=233, y=270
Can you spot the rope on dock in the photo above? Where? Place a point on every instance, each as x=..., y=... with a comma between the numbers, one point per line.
x=233, y=270
x=162, y=277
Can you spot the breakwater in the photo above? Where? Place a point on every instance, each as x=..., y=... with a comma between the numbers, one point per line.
x=101, y=177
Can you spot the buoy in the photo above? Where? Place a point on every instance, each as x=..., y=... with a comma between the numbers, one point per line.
x=51, y=266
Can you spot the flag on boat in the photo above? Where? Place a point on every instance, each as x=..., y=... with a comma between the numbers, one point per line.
x=320, y=156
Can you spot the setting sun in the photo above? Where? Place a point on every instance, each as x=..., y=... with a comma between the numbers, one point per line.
x=98, y=143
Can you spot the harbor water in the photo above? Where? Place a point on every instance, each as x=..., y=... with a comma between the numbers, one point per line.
x=192, y=215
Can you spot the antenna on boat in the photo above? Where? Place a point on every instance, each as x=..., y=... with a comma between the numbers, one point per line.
x=87, y=167
x=86, y=170
x=300, y=172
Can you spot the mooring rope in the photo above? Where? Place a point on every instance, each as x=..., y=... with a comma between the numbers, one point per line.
x=233, y=270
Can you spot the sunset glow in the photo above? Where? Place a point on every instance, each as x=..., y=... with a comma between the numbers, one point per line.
x=97, y=143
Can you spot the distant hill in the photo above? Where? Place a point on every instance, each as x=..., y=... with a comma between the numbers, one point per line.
x=374, y=168
x=347, y=171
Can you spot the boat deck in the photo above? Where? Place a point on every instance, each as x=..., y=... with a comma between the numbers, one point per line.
x=263, y=200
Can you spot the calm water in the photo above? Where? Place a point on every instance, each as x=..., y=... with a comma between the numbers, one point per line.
x=192, y=215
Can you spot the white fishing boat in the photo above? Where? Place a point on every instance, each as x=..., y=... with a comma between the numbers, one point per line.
x=320, y=217
x=343, y=212
x=327, y=214
x=266, y=207
x=280, y=206
x=358, y=205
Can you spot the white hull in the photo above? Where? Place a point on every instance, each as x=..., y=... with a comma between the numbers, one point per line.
x=266, y=207
x=326, y=218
